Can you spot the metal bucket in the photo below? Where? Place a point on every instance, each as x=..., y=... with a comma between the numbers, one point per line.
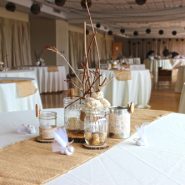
x=119, y=122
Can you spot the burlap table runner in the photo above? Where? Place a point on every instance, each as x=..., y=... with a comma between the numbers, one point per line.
x=122, y=75
x=52, y=69
x=32, y=163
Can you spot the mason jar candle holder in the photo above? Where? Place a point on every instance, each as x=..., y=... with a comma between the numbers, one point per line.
x=119, y=122
x=96, y=124
x=73, y=118
x=47, y=124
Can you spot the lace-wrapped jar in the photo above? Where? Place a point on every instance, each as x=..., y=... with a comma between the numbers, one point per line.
x=119, y=122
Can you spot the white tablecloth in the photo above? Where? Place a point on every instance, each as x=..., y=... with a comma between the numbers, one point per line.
x=132, y=61
x=19, y=73
x=153, y=65
x=162, y=162
x=166, y=64
x=136, y=90
x=50, y=81
x=137, y=67
x=178, y=62
x=182, y=100
x=180, y=79
x=9, y=101
x=11, y=121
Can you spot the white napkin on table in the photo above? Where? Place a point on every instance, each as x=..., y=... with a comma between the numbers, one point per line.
x=141, y=140
x=61, y=143
x=26, y=129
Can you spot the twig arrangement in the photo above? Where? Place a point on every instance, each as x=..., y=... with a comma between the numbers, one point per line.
x=91, y=79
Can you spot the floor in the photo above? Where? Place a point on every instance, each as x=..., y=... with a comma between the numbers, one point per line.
x=165, y=99
x=162, y=98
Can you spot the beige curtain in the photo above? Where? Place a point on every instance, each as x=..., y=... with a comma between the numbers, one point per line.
x=140, y=47
x=76, y=49
x=108, y=46
x=14, y=43
x=104, y=46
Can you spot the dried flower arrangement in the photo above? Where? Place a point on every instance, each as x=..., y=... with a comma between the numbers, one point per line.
x=90, y=81
x=80, y=124
x=91, y=125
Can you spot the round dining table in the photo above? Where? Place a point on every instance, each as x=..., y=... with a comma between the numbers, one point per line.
x=137, y=89
x=18, y=94
x=50, y=78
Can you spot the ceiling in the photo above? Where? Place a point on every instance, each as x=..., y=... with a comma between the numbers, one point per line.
x=166, y=15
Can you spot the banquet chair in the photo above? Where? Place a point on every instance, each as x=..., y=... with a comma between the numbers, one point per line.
x=137, y=67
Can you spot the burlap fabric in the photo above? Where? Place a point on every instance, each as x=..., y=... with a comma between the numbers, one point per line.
x=23, y=87
x=33, y=163
x=52, y=69
x=122, y=75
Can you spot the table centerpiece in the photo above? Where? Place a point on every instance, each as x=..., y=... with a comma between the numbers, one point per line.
x=86, y=114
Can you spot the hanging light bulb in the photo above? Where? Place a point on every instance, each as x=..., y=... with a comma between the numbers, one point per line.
x=35, y=8
x=60, y=2
x=174, y=32
x=110, y=32
x=122, y=30
x=161, y=32
x=148, y=31
x=140, y=2
x=10, y=6
x=135, y=33
x=98, y=25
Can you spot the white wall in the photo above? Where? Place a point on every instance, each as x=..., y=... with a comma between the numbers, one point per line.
x=43, y=33
x=62, y=42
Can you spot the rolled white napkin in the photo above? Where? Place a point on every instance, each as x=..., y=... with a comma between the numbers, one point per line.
x=26, y=129
x=141, y=140
x=61, y=143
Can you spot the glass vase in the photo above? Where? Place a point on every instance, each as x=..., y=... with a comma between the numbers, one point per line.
x=96, y=127
x=48, y=125
x=72, y=111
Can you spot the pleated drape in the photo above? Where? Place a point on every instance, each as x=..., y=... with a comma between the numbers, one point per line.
x=140, y=47
x=15, y=43
x=76, y=48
